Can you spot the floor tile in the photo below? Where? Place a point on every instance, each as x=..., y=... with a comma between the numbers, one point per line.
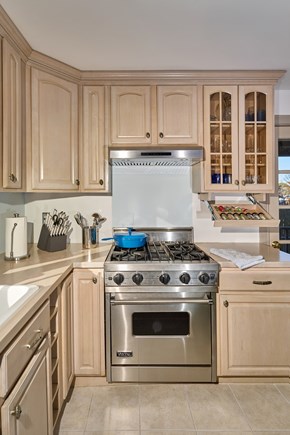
x=164, y=407
x=167, y=432
x=112, y=432
x=76, y=410
x=114, y=408
x=214, y=432
x=264, y=406
x=285, y=390
x=214, y=407
x=65, y=432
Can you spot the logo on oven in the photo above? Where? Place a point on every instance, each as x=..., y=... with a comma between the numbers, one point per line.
x=125, y=354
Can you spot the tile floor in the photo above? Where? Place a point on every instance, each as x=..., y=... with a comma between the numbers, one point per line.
x=178, y=409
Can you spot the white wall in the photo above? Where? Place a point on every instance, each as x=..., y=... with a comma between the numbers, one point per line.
x=282, y=102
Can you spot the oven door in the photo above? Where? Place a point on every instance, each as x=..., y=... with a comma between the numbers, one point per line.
x=161, y=329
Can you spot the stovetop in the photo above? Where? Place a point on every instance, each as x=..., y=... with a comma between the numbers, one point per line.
x=156, y=251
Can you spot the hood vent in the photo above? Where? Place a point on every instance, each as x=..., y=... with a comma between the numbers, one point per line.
x=156, y=157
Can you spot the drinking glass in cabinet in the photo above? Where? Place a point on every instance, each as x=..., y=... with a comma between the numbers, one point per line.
x=226, y=106
x=250, y=144
x=250, y=107
x=261, y=138
x=261, y=107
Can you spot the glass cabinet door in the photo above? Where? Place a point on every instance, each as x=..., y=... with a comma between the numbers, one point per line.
x=221, y=138
x=256, y=139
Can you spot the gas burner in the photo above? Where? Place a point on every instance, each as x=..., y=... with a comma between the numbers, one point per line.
x=186, y=251
x=128, y=254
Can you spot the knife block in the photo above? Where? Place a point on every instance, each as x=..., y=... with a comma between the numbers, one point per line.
x=50, y=243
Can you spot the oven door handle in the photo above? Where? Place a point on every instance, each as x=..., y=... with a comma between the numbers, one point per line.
x=164, y=301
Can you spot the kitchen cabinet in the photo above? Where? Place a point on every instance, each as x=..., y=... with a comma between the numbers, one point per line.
x=54, y=133
x=238, y=139
x=254, y=324
x=153, y=115
x=89, y=328
x=94, y=156
x=13, y=117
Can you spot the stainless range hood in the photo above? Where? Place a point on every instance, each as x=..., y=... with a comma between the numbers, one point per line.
x=183, y=156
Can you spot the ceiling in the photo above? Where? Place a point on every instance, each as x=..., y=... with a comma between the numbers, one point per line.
x=158, y=34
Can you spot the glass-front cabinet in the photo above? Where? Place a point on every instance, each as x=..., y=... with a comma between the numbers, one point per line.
x=238, y=138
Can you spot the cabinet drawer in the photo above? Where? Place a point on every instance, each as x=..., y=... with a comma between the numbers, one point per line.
x=22, y=349
x=265, y=280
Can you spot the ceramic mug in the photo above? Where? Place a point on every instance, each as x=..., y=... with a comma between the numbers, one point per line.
x=227, y=178
x=215, y=178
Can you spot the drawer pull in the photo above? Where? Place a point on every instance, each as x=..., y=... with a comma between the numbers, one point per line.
x=262, y=282
x=226, y=304
x=35, y=340
x=95, y=280
x=17, y=411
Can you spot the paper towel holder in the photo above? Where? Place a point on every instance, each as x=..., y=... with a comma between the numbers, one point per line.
x=11, y=256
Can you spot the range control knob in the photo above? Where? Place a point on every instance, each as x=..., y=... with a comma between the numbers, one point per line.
x=137, y=278
x=118, y=278
x=184, y=278
x=204, y=278
x=164, y=278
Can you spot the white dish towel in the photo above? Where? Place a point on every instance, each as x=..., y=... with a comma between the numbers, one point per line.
x=240, y=259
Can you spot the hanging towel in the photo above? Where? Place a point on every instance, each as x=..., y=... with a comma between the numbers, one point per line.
x=240, y=259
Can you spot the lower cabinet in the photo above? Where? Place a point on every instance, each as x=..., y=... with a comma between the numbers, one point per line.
x=27, y=409
x=89, y=334
x=254, y=333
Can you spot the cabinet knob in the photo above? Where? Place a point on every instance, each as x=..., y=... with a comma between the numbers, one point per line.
x=237, y=182
x=77, y=181
x=148, y=134
x=226, y=304
x=95, y=280
x=17, y=411
x=243, y=182
x=161, y=135
x=101, y=182
x=275, y=244
x=13, y=178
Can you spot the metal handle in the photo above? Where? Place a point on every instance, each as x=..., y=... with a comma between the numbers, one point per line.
x=12, y=239
x=36, y=340
x=237, y=182
x=77, y=181
x=262, y=282
x=161, y=135
x=276, y=244
x=17, y=411
x=95, y=280
x=101, y=182
x=148, y=134
x=244, y=182
x=12, y=178
x=226, y=304
x=164, y=301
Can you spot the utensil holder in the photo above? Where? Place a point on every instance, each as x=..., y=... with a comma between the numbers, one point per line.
x=50, y=243
x=90, y=237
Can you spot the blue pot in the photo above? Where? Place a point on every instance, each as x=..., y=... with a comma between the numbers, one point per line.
x=130, y=240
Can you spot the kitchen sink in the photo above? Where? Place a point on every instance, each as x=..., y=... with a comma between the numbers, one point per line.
x=12, y=297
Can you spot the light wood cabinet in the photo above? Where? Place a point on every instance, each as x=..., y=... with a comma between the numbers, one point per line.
x=238, y=138
x=13, y=113
x=89, y=328
x=94, y=156
x=254, y=327
x=26, y=411
x=54, y=133
x=67, y=338
x=153, y=115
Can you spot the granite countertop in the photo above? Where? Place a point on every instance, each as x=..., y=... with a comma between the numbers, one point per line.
x=47, y=270
x=274, y=258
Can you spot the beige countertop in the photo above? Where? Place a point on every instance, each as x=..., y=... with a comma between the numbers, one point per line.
x=274, y=258
x=47, y=270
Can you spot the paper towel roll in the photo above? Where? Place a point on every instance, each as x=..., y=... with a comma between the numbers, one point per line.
x=15, y=238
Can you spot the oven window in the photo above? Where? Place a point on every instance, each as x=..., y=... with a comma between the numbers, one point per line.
x=174, y=323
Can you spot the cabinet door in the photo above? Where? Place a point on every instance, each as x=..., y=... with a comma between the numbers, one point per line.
x=67, y=337
x=89, y=347
x=131, y=115
x=256, y=139
x=95, y=154
x=221, y=138
x=177, y=114
x=27, y=409
x=12, y=118
x=54, y=131
x=254, y=330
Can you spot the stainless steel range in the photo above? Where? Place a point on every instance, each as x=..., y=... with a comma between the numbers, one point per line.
x=160, y=310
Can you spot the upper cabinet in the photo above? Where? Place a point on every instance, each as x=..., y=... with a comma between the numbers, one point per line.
x=153, y=115
x=94, y=156
x=238, y=138
x=54, y=133
x=13, y=134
